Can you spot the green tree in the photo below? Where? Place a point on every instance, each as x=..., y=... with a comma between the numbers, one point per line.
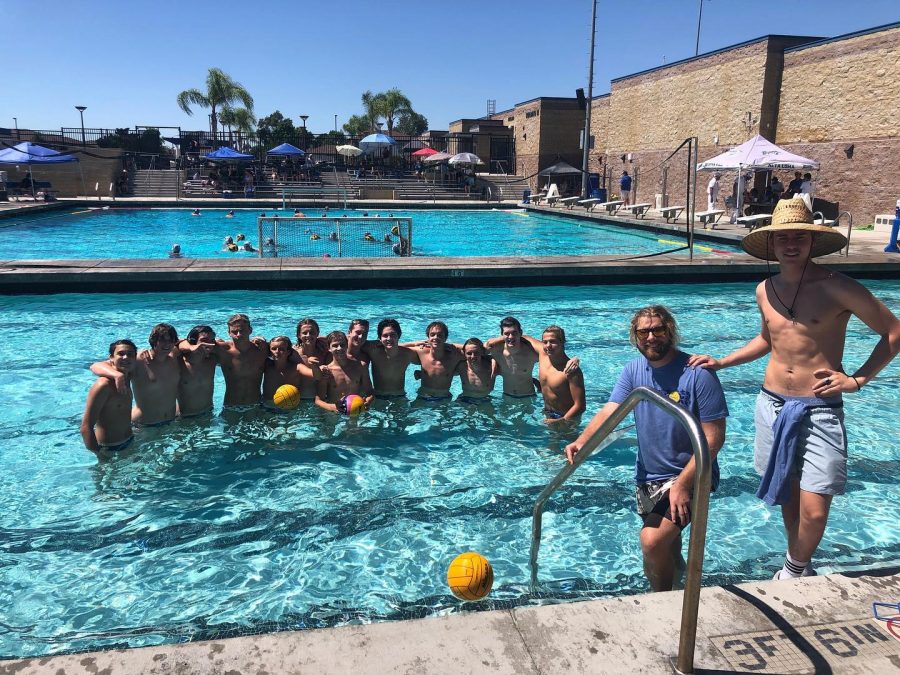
x=412, y=123
x=276, y=129
x=221, y=92
x=391, y=105
x=240, y=119
x=371, y=106
x=331, y=138
x=358, y=125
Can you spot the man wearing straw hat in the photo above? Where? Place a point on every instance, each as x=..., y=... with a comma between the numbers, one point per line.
x=801, y=443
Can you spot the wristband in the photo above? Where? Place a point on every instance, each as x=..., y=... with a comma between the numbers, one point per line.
x=858, y=387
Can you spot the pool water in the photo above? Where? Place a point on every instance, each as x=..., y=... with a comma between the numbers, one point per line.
x=273, y=522
x=150, y=233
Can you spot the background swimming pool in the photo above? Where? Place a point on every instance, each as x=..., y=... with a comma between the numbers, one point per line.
x=150, y=233
x=217, y=528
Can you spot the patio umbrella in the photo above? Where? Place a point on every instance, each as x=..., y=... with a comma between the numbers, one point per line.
x=465, y=158
x=375, y=141
x=286, y=149
x=348, y=150
x=424, y=152
x=438, y=157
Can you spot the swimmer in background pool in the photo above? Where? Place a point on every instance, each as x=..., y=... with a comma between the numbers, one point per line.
x=439, y=361
x=281, y=369
x=106, y=424
x=562, y=382
x=310, y=347
x=198, y=372
x=357, y=335
x=389, y=360
x=248, y=247
x=230, y=214
x=195, y=212
x=477, y=373
x=176, y=251
x=342, y=376
x=154, y=378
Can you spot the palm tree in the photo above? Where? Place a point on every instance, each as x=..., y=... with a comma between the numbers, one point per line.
x=391, y=104
x=221, y=92
x=371, y=103
x=239, y=118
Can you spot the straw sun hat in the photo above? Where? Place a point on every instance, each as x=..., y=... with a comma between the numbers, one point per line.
x=793, y=214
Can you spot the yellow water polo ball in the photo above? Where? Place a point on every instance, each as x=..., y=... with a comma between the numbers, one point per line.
x=287, y=397
x=470, y=576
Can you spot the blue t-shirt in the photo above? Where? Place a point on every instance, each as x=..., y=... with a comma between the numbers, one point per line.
x=664, y=446
x=625, y=183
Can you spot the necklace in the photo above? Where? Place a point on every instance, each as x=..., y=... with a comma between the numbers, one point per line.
x=790, y=310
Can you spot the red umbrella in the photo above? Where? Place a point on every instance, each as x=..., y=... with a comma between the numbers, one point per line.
x=424, y=152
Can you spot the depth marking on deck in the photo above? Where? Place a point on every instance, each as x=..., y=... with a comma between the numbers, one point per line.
x=838, y=643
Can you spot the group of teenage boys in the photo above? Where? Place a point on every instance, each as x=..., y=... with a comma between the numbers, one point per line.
x=175, y=378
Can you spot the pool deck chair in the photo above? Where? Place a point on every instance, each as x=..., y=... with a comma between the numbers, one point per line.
x=569, y=202
x=589, y=204
x=671, y=213
x=611, y=207
x=710, y=218
x=638, y=210
x=753, y=222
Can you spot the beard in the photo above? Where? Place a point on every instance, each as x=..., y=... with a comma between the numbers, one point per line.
x=656, y=351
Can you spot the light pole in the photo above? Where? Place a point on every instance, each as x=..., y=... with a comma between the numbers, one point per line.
x=16, y=122
x=303, y=119
x=81, y=109
x=699, y=19
x=335, y=122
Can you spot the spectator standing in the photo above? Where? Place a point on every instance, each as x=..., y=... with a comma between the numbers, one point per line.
x=712, y=192
x=625, y=188
x=794, y=186
x=806, y=187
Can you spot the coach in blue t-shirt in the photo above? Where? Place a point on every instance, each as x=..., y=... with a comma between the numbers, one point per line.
x=665, y=460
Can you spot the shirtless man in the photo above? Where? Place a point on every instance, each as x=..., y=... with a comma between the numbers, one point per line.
x=439, y=362
x=310, y=346
x=282, y=369
x=155, y=378
x=561, y=385
x=243, y=362
x=356, y=337
x=805, y=310
x=389, y=360
x=198, y=371
x=515, y=359
x=342, y=377
x=477, y=373
x=106, y=424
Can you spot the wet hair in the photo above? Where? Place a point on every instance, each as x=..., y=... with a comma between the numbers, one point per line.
x=307, y=322
x=510, y=322
x=474, y=341
x=438, y=324
x=194, y=335
x=162, y=330
x=237, y=318
x=129, y=343
x=359, y=322
x=660, y=312
x=392, y=323
x=556, y=330
x=336, y=336
x=281, y=338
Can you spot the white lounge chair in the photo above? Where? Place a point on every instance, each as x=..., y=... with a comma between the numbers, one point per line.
x=671, y=213
x=569, y=202
x=710, y=218
x=638, y=210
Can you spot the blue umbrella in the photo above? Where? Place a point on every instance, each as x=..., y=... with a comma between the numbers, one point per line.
x=373, y=141
x=285, y=149
x=225, y=153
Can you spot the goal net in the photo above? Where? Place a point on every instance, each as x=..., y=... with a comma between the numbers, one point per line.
x=343, y=237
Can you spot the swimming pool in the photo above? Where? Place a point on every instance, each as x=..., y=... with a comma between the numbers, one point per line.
x=150, y=233
x=288, y=522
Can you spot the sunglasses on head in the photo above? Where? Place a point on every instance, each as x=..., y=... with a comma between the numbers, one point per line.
x=658, y=331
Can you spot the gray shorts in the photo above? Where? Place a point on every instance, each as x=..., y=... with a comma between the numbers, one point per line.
x=821, y=458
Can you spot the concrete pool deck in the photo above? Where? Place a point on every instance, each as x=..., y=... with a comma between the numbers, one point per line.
x=813, y=625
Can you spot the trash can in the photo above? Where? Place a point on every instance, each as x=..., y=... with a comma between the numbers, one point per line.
x=526, y=196
x=599, y=193
x=662, y=201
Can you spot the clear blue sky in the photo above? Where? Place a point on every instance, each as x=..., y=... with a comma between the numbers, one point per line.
x=127, y=61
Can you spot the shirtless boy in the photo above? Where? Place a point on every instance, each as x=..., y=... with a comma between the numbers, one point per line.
x=243, y=362
x=198, y=371
x=515, y=359
x=106, y=424
x=310, y=346
x=342, y=376
x=281, y=369
x=356, y=338
x=562, y=386
x=154, y=378
x=439, y=362
x=477, y=373
x=805, y=309
x=389, y=360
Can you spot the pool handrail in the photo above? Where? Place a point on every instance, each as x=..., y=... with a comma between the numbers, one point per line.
x=699, y=508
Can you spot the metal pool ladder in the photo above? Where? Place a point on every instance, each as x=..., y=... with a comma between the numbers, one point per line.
x=699, y=508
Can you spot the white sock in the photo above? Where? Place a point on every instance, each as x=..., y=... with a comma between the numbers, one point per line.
x=793, y=569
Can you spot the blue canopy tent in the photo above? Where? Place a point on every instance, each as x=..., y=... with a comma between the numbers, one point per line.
x=226, y=154
x=286, y=149
x=31, y=154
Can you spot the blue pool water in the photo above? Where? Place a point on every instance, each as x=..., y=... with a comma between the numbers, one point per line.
x=150, y=233
x=230, y=527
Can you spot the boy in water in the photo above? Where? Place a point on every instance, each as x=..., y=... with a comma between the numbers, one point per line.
x=389, y=360
x=562, y=382
x=198, y=371
x=357, y=335
x=309, y=346
x=342, y=377
x=281, y=369
x=243, y=362
x=477, y=373
x=515, y=359
x=439, y=362
x=106, y=424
